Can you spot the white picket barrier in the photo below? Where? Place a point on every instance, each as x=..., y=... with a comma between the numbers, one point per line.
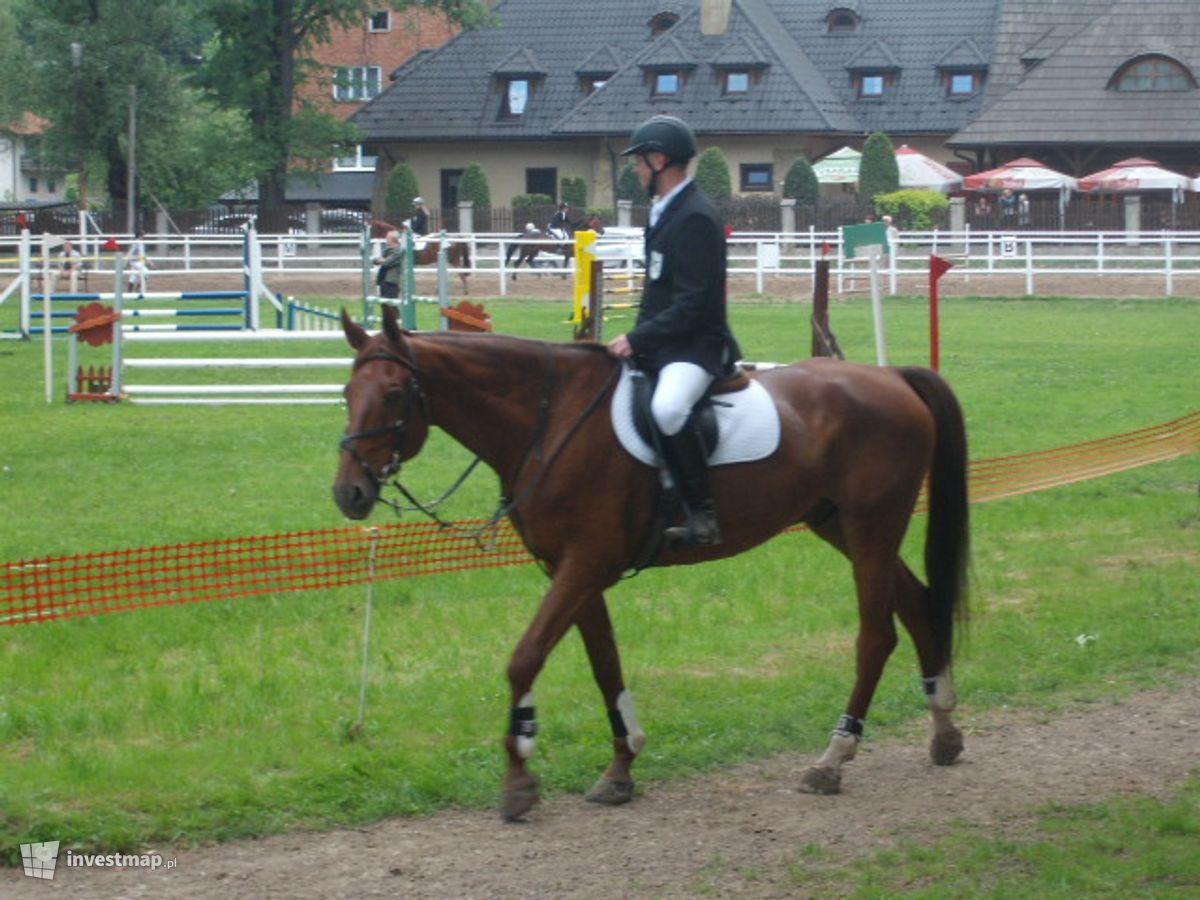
x=214, y=394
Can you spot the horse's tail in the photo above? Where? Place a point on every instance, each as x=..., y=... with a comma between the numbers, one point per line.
x=947, y=540
x=511, y=247
x=464, y=250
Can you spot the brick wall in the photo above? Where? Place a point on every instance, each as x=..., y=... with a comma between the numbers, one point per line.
x=410, y=32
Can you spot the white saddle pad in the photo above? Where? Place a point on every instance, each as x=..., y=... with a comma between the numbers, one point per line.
x=747, y=424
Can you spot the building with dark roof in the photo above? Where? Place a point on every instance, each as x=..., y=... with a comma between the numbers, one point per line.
x=555, y=89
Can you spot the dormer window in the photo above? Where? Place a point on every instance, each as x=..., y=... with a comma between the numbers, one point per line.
x=735, y=82
x=516, y=78
x=961, y=84
x=516, y=96
x=870, y=86
x=662, y=23
x=666, y=84
x=1153, y=73
x=842, y=21
x=597, y=68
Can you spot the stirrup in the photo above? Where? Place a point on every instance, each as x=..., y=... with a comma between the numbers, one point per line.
x=700, y=530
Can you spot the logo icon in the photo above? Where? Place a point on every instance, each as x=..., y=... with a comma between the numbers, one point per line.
x=39, y=859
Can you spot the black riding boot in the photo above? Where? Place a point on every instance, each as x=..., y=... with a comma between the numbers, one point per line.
x=684, y=455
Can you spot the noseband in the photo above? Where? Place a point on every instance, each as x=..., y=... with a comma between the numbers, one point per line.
x=398, y=428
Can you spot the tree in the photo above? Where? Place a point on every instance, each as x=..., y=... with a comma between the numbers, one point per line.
x=261, y=54
x=800, y=183
x=574, y=192
x=878, y=173
x=712, y=175
x=14, y=86
x=401, y=188
x=93, y=60
x=629, y=187
x=473, y=186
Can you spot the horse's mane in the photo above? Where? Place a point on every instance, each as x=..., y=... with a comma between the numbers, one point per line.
x=584, y=351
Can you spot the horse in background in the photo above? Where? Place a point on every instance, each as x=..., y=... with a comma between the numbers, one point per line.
x=532, y=241
x=458, y=253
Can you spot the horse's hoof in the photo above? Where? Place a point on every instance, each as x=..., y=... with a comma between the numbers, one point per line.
x=821, y=780
x=519, y=798
x=611, y=792
x=945, y=747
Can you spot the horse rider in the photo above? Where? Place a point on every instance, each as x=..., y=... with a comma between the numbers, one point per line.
x=420, y=217
x=560, y=225
x=682, y=331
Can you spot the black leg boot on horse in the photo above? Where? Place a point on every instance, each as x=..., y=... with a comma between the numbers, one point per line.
x=685, y=458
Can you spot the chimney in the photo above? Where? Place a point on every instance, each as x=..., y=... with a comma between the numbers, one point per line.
x=714, y=16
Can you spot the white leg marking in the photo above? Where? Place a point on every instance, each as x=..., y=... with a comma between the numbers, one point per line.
x=841, y=749
x=636, y=739
x=943, y=696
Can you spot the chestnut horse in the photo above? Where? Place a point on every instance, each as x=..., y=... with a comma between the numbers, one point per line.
x=529, y=244
x=458, y=254
x=856, y=444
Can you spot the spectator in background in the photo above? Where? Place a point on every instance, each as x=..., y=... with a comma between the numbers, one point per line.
x=893, y=240
x=1023, y=210
x=137, y=264
x=391, y=267
x=69, y=264
x=1008, y=206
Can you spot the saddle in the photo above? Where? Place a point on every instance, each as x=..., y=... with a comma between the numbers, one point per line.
x=703, y=415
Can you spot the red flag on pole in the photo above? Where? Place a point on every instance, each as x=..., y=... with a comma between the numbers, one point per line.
x=937, y=268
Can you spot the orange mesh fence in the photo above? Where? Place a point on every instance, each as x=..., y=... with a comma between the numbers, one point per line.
x=64, y=586
x=39, y=590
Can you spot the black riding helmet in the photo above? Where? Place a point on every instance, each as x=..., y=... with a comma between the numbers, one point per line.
x=665, y=134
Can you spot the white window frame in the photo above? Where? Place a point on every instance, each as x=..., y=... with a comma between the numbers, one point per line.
x=517, y=92
x=387, y=26
x=660, y=91
x=727, y=88
x=873, y=78
x=971, y=77
x=359, y=162
x=356, y=84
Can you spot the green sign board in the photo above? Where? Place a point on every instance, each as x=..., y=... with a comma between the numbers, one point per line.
x=858, y=237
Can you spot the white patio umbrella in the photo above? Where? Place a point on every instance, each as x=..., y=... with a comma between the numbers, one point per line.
x=920, y=171
x=1137, y=174
x=1022, y=174
x=839, y=167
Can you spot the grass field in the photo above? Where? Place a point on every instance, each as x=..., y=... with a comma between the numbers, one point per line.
x=214, y=721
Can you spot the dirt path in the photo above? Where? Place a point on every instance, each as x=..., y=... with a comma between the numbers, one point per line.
x=730, y=834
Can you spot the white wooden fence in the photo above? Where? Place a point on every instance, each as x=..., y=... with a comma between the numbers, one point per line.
x=1171, y=259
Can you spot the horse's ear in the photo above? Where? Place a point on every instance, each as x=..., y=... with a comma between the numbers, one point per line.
x=391, y=323
x=355, y=333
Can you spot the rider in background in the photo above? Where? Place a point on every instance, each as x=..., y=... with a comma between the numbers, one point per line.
x=560, y=225
x=419, y=223
x=420, y=218
x=682, y=332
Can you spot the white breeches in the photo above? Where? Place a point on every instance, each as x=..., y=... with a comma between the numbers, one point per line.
x=680, y=385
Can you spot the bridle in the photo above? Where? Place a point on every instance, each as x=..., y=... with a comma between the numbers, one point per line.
x=412, y=393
